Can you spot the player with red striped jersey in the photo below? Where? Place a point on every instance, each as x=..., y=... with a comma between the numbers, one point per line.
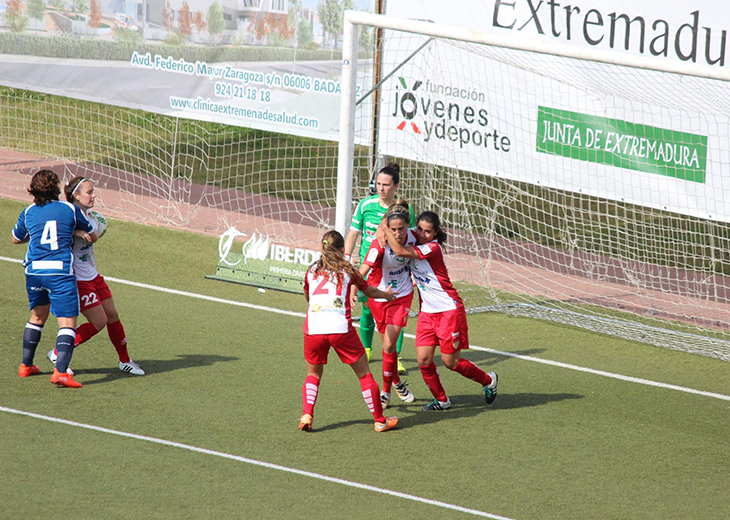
x=384, y=269
x=97, y=303
x=442, y=319
x=365, y=221
x=328, y=323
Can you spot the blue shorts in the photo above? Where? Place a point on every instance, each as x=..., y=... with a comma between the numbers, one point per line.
x=60, y=291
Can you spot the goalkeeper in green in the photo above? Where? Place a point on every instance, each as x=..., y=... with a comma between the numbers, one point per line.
x=368, y=215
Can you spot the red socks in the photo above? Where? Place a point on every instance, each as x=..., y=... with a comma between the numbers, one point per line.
x=84, y=333
x=433, y=381
x=390, y=370
x=116, y=332
x=473, y=372
x=371, y=394
x=119, y=340
x=309, y=394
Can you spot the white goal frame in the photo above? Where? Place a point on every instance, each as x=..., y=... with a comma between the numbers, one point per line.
x=719, y=345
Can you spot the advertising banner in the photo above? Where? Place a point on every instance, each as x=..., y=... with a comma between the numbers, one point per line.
x=267, y=64
x=622, y=144
x=262, y=263
x=694, y=32
x=634, y=136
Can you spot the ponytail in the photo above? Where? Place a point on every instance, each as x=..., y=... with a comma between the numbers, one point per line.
x=332, y=262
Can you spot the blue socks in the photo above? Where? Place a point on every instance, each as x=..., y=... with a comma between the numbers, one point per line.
x=64, y=348
x=31, y=338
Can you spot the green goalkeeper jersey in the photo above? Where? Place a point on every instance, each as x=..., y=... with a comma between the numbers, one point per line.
x=367, y=218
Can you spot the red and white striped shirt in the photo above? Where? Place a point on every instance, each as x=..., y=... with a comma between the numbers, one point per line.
x=388, y=270
x=329, y=303
x=432, y=279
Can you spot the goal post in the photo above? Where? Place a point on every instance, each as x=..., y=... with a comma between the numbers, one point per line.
x=346, y=146
x=577, y=185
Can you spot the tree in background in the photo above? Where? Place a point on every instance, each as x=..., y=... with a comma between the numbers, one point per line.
x=95, y=15
x=272, y=27
x=59, y=5
x=184, y=24
x=347, y=5
x=168, y=19
x=14, y=16
x=216, y=22
x=330, y=14
x=258, y=27
x=82, y=6
x=279, y=25
x=199, y=21
x=292, y=19
x=366, y=37
x=305, y=35
x=36, y=11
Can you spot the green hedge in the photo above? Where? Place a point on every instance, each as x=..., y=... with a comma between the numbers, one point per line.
x=92, y=49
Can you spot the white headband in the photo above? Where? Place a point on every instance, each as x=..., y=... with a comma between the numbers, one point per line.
x=77, y=186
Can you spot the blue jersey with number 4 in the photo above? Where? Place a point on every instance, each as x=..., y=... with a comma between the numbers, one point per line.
x=51, y=229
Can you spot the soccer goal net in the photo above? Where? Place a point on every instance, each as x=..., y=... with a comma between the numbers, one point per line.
x=582, y=188
x=173, y=171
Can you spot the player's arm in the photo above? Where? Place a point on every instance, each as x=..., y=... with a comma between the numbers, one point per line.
x=20, y=232
x=398, y=249
x=374, y=292
x=88, y=237
x=380, y=232
x=84, y=228
x=372, y=258
x=356, y=227
x=364, y=270
x=350, y=242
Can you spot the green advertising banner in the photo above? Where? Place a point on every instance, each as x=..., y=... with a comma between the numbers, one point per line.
x=622, y=144
x=262, y=263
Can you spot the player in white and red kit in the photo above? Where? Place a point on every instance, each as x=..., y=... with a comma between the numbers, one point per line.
x=97, y=304
x=384, y=269
x=442, y=319
x=329, y=324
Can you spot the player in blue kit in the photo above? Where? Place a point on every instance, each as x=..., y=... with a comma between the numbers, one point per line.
x=49, y=226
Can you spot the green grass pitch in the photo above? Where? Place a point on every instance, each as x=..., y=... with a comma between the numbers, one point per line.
x=557, y=443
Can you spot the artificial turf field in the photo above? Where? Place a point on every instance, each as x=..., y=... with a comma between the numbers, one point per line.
x=224, y=383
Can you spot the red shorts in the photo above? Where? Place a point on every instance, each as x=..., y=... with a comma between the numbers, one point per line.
x=93, y=292
x=448, y=330
x=391, y=313
x=348, y=347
